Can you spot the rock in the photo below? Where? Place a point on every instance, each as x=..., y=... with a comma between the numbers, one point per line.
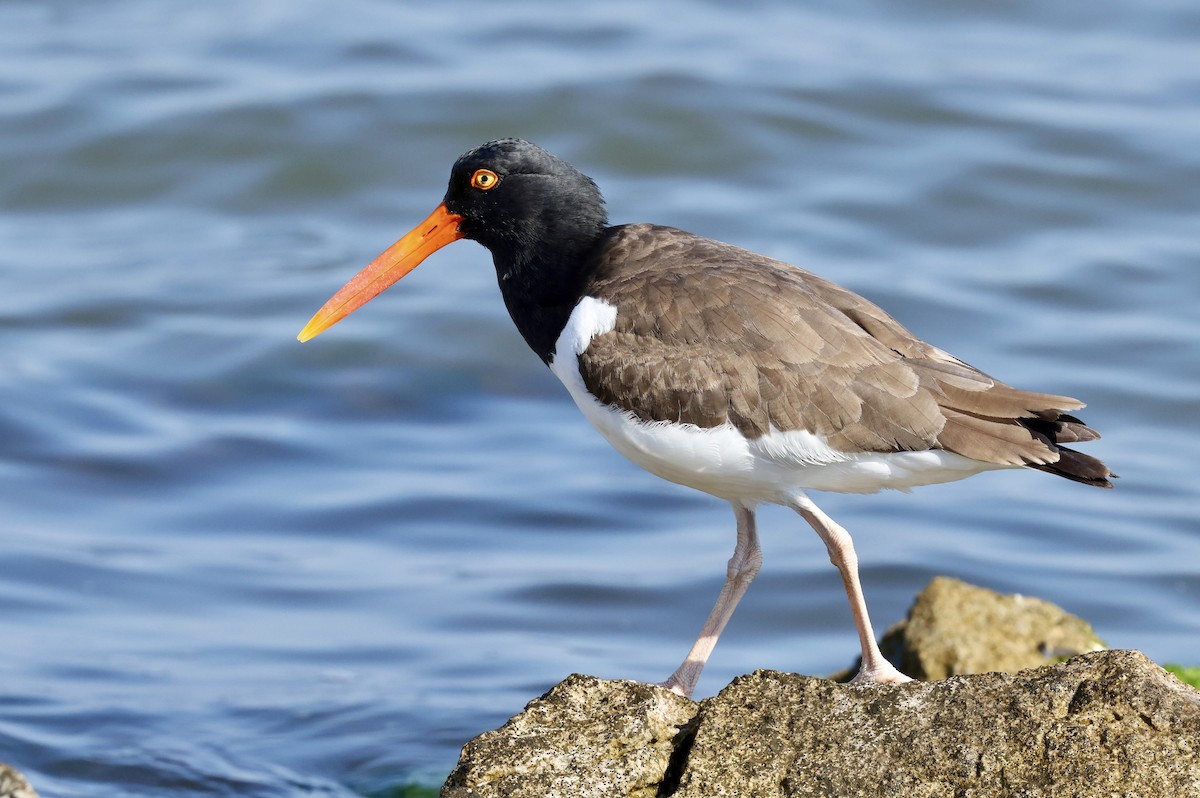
x=1107, y=723
x=587, y=736
x=1110, y=723
x=955, y=628
x=13, y=784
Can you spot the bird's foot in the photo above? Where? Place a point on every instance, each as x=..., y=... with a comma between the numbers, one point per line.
x=676, y=686
x=882, y=672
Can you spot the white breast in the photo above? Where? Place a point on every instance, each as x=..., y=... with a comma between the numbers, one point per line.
x=722, y=461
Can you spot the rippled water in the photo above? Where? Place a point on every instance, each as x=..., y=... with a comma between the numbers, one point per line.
x=237, y=565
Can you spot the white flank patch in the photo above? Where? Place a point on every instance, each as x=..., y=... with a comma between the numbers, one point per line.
x=722, y=461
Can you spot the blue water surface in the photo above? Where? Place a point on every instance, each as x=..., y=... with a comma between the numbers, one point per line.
x=234, y=565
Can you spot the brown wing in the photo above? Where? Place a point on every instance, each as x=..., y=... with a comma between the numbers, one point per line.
x=708, y=333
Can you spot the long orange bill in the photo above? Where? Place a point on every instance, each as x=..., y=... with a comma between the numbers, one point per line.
x=440, y=229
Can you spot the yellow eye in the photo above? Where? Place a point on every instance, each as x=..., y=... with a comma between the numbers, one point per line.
x=484, y=179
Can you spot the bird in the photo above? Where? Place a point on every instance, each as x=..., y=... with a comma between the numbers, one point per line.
x=714, y=367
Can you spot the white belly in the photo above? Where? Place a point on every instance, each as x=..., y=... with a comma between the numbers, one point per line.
x=722, y=461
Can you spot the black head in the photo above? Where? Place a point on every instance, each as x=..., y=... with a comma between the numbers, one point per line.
x=539, y=216
x=524, y=204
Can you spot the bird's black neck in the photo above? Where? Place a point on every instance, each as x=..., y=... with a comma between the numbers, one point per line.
x=542, y=287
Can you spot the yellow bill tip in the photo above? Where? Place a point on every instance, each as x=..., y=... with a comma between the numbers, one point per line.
x=311, y=330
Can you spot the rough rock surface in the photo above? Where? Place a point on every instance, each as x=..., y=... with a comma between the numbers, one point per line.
x=1110, y=723
x=13, y=784
x=587, y=736
x=956, y=628
x=1107, y=723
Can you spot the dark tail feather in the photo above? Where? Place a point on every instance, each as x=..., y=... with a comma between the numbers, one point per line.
x=1079, y=467
x=1072, y=430
x=1055, y=428
x=1059, y=427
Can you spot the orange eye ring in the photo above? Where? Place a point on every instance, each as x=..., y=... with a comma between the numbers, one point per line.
x=485, y=179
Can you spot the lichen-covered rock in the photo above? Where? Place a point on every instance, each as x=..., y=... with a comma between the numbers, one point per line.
x=1110, y=723
x=1106, y=723
x=955, y=628
x=586, y=737
x=13, y=784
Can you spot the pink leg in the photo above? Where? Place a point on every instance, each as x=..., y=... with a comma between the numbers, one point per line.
x=874, y=668
x=743, y=567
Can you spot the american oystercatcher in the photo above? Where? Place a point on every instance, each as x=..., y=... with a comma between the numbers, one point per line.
x=725, y=370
